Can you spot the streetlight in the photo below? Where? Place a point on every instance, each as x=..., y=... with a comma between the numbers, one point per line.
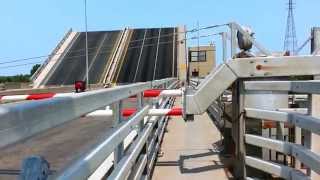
x=87, y=56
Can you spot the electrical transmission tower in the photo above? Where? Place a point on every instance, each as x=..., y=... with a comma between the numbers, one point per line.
x=290, y=42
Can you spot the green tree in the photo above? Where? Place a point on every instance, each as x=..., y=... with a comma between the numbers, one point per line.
x=34, y=69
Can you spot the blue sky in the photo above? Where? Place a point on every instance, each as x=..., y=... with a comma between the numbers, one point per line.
x=33, y=28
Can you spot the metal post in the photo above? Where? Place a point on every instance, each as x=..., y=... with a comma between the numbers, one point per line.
x=315, y=109
x=233, y=40
x=297, y=140
x=315, y=40
x=139, y=106
x=186, y=50
x=280, y=132
x=224, y=46
x=198, y=51
x=173, y=50
x=238, y=128
x=118, y=153
x=87, y=54
x=308, y=134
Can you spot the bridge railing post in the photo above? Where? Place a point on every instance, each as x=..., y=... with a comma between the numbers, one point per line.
x=140, y=104
x=315, y=98
x=238, y=129
x=314, y=111
x=119, y=151
x=301, y=115
x=144, y=151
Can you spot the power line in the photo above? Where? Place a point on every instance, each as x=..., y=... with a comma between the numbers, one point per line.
x=33, y=63
x=8, y=61
x=50, y=55
x=182, y=32
x=23, y=59
x=104, y=52
x=207, y=27
x=82, y=55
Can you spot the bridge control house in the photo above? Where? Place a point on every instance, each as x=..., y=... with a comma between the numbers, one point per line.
x=201, y=60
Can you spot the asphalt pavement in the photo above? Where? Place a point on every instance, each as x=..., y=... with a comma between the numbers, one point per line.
x=141, y=63
x=135, y=69
x=72, y=66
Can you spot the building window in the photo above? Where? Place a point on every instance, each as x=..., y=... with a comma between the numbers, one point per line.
x=196, y=56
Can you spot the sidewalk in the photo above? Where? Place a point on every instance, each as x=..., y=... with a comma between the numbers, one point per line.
x=191, y=151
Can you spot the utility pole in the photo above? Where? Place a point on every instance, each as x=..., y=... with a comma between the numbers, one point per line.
x=87, y=54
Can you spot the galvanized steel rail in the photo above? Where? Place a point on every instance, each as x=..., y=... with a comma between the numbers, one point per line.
x=19, y=121
x=301, y=152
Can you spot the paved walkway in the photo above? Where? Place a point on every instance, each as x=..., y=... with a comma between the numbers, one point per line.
x=191, y=151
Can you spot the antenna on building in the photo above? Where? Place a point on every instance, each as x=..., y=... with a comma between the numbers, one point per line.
x=290, y=42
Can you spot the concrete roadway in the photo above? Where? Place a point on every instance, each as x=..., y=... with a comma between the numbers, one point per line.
x=101, y=44
x=72, y=66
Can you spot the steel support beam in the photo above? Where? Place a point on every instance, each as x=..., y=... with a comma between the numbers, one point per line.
x=276, y=66
x=224, y=46
x=315, y=100
x=238, y=127
x=209, y=90
x=233, y=43
x=308, y=87
x=197, y=101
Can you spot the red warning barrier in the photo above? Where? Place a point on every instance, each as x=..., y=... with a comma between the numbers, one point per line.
x=176, y=111
x=147, y=93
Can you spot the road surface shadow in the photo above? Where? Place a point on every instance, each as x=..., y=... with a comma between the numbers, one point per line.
x=207, y=160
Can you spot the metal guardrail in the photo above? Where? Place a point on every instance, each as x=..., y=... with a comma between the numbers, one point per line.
x=19, y=121
x=304, y=121
x=87, y=164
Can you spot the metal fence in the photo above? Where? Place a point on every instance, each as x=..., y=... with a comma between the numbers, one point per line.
x=243, y=114
x=299, y=148
x=133, y=159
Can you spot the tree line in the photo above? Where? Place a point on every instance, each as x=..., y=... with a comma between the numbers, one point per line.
x=20, y=77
